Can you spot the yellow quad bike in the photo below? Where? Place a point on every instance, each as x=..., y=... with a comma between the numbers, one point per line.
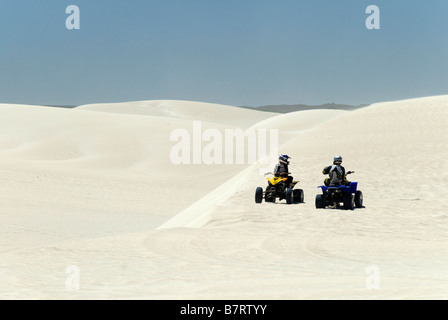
x=277, y=188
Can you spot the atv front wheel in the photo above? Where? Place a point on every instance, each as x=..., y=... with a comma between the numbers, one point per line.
x=259, y=195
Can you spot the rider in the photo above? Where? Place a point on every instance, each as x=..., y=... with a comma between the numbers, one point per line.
x=281, y=169
x=336, y=172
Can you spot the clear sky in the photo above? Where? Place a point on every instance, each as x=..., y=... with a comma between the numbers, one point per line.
x=236, y=52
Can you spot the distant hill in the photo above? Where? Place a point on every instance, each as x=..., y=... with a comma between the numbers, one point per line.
x=61, y=106
x=284, y=108
x=281, y=108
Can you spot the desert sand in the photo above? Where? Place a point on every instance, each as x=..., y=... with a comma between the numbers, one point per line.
x=92, y=207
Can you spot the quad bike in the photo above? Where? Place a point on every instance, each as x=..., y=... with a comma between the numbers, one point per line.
x=347, y=197
x=278, y=188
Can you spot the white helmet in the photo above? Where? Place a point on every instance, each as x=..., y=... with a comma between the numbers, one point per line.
x=337, y=160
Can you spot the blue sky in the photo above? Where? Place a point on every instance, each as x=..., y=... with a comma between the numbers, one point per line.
x=236, y=52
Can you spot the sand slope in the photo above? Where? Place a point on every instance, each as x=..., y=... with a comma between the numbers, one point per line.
x=222, y=245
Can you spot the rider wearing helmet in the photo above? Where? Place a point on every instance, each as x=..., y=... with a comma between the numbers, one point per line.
x=281, y=169
x=336, y=173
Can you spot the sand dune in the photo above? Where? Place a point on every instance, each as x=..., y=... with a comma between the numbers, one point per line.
x=185, y=110
x=84, y=188
x=113, y=168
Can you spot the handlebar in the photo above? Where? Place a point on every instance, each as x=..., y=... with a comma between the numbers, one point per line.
x=267, y=173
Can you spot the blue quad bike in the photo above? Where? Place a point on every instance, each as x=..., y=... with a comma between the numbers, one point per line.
x=347, y=197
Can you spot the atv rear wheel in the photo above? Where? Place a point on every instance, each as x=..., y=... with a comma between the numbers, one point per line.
x=349, y=201
x=320, y=201
x=298, y=195
x=359, y=198
x=259, y=195
x=289, y=196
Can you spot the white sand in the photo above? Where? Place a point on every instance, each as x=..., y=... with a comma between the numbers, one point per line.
x=93, y=187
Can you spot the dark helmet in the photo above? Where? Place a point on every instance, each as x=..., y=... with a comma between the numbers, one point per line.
x=337, y=160
x=284, y=159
